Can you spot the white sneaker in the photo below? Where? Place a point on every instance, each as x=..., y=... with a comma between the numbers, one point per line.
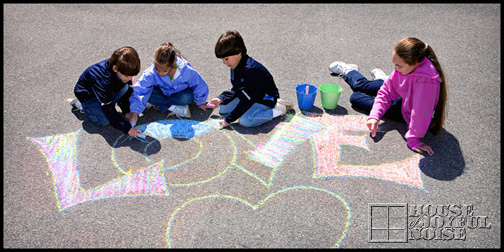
x=149, y=105
x=283, y=106
x=76, y=104
x=181, y=111
x=342, y=68
x=378, y=74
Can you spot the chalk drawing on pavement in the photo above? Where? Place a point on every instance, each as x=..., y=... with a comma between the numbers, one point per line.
x=207, y=141
x=327, y=146
x=327, y=134
x=253, y=220
x=286, y=137
x=61, y=154
x=149, y=176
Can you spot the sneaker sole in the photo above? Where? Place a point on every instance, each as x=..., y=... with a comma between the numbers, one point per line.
x=373, y=74
x=341, y=62
x=288, y=105
x=334, y=63
x=72, y=103
x=187, y=115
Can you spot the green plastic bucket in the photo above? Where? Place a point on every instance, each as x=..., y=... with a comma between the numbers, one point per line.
x=330, y=93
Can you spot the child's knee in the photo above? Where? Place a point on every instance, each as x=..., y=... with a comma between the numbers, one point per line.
x=250, y=122
x=102, y=122
x=224, y=110
x=186, y=98
x=361, y=101
x=358, y=98
x=354, y=97
x=246, y=123
x=97, y=121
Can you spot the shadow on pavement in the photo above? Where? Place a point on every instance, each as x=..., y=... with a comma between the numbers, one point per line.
x=117, y=139
x=261, y=129
x=112, y=135
x=316, y=111
x=446, y=164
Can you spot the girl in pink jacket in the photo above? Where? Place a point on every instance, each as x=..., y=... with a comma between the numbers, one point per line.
x=416, y=90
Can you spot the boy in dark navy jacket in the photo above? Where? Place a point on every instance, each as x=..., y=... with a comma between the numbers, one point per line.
x=254, y=97
x=106, y=83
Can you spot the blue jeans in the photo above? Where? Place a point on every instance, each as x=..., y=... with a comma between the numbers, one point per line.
x=365, y=92
x=254, y=116
x=157, y=98
x=92, y=108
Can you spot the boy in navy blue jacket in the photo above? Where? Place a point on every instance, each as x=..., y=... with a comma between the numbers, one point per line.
x=254, y=97
x=106, y=83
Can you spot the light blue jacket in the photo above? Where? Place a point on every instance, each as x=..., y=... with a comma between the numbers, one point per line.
x=185, y=77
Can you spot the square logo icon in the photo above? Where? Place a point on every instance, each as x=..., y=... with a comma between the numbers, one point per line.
x=388, y=222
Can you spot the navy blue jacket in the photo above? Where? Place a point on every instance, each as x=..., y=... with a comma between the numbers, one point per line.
x=252, y=83
x=101, y=82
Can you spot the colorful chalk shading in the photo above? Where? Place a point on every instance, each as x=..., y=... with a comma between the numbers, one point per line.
x=61, y=154
x=328, y=143
x=326, y=133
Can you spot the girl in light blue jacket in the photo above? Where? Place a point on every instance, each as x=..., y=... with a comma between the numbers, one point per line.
x=171, y=83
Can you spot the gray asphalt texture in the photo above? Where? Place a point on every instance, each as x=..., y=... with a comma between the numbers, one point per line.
x=47, y=46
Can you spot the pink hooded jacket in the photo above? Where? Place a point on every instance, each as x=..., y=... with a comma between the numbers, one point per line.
x=419, y=91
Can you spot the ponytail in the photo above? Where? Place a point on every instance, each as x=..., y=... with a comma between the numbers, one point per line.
x=436, y=126
x=166, y=54
x=412, y=51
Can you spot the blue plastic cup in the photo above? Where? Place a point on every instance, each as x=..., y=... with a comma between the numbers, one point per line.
x=306, y=96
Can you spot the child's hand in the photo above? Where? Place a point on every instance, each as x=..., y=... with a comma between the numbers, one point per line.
x=214, y=103
x=372, y=125
x=223, y=123
x=134, y=132
x=133, y=117
x=424, y=147
x=203, y=106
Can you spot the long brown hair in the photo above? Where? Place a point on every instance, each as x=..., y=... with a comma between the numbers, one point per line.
x=411, y=51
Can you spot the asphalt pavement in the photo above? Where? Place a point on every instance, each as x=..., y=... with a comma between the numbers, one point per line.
x=311, y=179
